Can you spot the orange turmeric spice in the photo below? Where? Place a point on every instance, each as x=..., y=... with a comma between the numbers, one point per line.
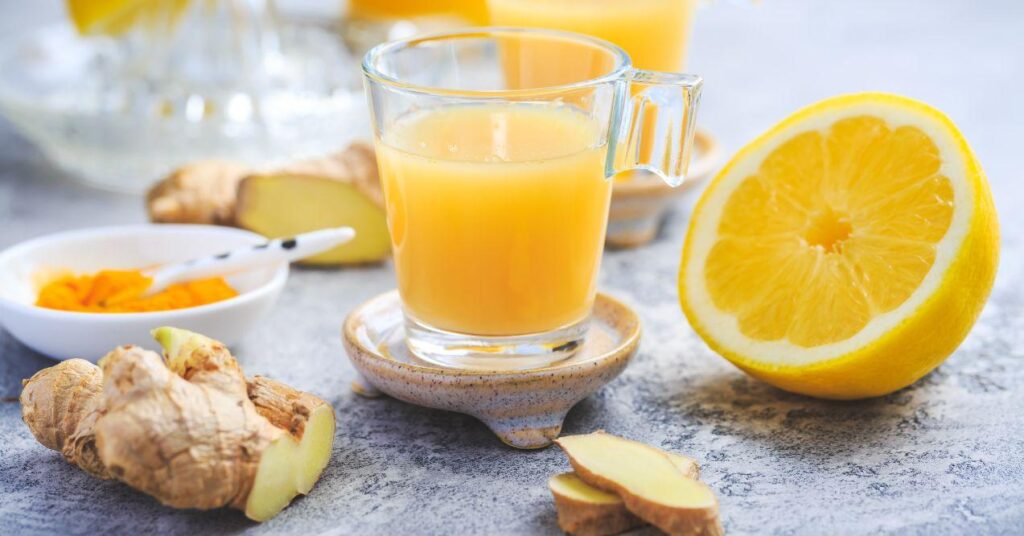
x=120, y=291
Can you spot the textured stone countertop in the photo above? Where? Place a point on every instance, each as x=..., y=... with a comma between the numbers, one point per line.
x=943, y=456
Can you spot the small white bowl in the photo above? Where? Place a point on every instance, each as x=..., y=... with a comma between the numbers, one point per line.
x=65, y=335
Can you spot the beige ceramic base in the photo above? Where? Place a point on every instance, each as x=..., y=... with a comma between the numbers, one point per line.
x=639, y=205
x=524, y=408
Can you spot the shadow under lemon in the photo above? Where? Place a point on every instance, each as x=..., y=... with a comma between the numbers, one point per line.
x=750, y=410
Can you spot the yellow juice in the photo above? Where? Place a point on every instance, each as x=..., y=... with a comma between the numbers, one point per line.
x=474, y=11
x=497, y=215
x=653, y=32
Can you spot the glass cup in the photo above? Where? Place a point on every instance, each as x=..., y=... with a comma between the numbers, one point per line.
x=495, y=148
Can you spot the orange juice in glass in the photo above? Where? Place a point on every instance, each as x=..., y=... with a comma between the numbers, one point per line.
x=497, y=189
x=497, y=215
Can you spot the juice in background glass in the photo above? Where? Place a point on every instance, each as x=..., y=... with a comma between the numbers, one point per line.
x=473, y=11
x=497, y=215
x=653, y=32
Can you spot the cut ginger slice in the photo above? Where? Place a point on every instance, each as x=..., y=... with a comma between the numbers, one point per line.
x=587, y=511
x=296, y=461
x=584, y=510
x=341, y=190
x=846, y=252
x=648, y=482
x=291, y=467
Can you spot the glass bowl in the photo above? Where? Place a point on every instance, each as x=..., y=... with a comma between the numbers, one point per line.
x=120, y=113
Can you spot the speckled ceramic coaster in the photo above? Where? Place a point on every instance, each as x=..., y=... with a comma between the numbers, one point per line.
x=639, y=205
x=524, y=408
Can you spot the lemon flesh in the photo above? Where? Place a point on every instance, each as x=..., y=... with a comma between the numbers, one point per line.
x=846, y=252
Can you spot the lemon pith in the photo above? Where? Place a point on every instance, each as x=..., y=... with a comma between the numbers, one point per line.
x=846, y=252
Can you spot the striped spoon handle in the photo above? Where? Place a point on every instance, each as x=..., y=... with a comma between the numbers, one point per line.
x=248, y=257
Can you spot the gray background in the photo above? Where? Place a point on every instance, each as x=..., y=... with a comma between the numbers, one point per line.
x=943, y=456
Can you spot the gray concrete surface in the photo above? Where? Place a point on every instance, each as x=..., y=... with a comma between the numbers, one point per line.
x=941, y=457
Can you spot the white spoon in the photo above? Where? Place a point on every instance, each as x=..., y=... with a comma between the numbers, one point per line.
x=248, y=257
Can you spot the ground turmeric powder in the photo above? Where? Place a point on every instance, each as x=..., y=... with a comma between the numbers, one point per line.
x=120, y=291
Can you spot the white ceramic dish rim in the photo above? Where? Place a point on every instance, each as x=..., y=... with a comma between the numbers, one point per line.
x=23, y=248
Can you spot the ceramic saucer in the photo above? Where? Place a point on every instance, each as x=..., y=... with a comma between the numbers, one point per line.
x=523, y=408
x=639, y=205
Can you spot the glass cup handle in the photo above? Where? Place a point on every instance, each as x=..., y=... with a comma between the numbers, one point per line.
x=655, y=130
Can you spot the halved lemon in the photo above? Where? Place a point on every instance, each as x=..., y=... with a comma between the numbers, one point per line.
x=846, y=252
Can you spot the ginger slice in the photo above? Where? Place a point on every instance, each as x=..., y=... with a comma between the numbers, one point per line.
x=648, y=482
x=585, y=510
x=307, y=418
x=183, y=430
x=339, y=190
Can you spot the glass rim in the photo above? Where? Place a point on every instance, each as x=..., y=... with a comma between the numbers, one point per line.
x=623, y=63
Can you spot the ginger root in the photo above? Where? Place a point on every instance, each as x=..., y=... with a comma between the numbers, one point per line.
x=584, y=510
x=60, y=405
x=646, y=479
x=200, y=192
x=184, y=430
x=342, y=189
